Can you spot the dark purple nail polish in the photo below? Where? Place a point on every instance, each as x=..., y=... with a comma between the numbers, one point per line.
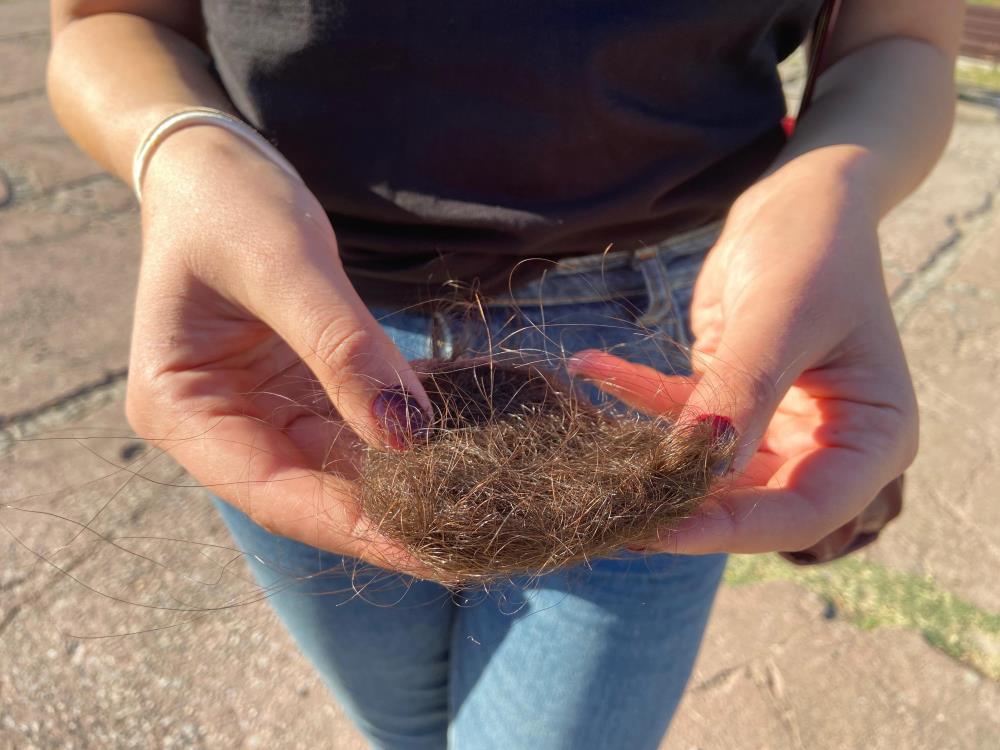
x=401, y=416
x=723, y=466
x=724, y=437
x=723, y=431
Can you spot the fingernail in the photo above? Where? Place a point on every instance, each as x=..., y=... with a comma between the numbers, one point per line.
x=401, y=415
x=724, y=437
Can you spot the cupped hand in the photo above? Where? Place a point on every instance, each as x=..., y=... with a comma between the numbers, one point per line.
x=254, y=362
x=797, y=351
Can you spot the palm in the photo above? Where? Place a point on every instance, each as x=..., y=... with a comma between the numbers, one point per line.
x=249, y=371
x=241, y=411
x=805, y=468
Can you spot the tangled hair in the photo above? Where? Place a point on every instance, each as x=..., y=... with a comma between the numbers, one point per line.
x=520, y=473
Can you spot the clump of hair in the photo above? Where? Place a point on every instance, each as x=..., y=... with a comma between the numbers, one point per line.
x=519, y=473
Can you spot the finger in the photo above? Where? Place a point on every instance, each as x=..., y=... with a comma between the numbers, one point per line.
x=232, y=448
x=258, y=469
x=806, y=499
x=636, y=385
x=762, y=350
x=294, y=402
x=313, y=306
x=757, y=473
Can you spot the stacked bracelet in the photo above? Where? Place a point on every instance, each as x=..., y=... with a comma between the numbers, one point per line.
x=201, y=116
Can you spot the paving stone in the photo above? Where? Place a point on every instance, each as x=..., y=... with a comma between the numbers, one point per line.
x=207, y=679
x=952, y=339
x=63, y=213
x=65, y=313
x=23, y=17
x=22, y=59
x=959, y=186
x=775, y=673
x=28, y=118
x=35, y=152
x=5, y=189
x=41, y=166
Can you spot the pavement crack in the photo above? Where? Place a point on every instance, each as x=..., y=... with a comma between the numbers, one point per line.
x=8, y=618
x=26, y=94
x=18, y=35
x=85, y=181
x=22, y=194
x=13, y=583
x=939, y=265
x=60, y=410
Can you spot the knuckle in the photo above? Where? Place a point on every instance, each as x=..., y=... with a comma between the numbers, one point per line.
x=809, y=535
x=896, y=432
x=819, y=524
x=148, y=399
x=758, y=389
x=910, y=442
x=342, y=347
x=812, y=537
x=137, y=411
x=260, y=515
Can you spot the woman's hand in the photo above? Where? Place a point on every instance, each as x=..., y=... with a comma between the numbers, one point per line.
x=254, y=363
x=797, y=350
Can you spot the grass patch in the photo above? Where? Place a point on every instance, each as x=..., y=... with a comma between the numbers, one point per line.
x=978, y=77
x=871, y=596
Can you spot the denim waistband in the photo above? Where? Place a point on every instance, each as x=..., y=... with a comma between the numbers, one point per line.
x=599, y=276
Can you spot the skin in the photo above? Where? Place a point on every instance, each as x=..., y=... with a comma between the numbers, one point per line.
x=243, y=303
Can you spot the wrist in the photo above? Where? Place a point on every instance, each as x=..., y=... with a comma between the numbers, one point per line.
x=842, y=178
x=189, y=140
x=183, y=157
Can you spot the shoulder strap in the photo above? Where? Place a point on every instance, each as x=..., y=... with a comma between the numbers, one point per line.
x=822, y=31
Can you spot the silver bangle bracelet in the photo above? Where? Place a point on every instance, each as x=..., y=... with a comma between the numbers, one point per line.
x=201, y=116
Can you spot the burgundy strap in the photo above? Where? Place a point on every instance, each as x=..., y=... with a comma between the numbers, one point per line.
x=822, y=31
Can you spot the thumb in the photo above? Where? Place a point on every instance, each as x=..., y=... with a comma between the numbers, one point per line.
x=746, y=372
x=316, y=310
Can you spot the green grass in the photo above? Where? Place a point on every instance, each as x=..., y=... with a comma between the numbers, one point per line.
x=977, y=77
x=871, y=596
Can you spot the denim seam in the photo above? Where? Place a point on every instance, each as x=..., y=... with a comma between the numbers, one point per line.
x=440, y=328
x=661, y=307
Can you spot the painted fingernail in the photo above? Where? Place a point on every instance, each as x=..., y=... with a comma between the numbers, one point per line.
x=401, y=415
x=724, y=437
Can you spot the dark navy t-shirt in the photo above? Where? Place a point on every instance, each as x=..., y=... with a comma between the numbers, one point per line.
x=448, y=139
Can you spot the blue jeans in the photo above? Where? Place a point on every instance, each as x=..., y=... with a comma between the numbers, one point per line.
x=595, y=656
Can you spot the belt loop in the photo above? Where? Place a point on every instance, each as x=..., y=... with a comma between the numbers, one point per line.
x=644, y=253
x=442, y=341
x=660, y=300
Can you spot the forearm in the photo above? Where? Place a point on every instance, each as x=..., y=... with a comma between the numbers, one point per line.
x=880, y=119
x=113, y=76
